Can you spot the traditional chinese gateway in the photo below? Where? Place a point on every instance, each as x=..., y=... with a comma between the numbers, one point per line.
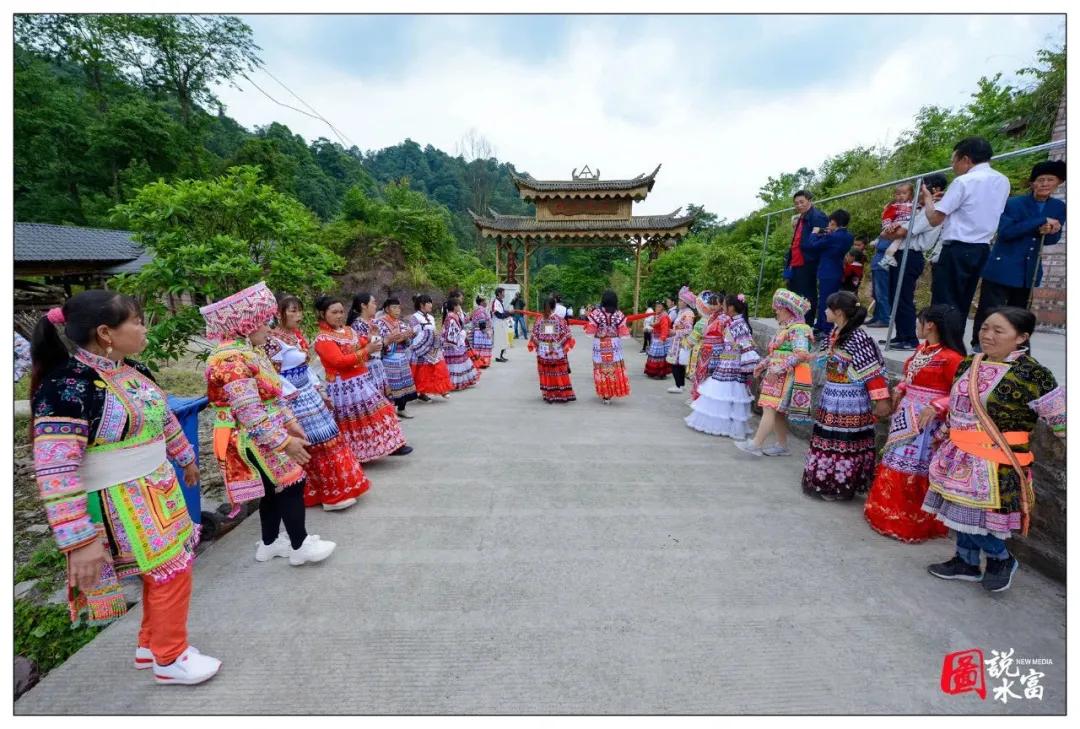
x=582, y=212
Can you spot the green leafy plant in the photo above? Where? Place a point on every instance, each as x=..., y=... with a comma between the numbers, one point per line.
x=45, y=635
x=211, y=238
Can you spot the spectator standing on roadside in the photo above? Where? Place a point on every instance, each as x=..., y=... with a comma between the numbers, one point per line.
x=1015, y=266
x=801, y=263
x=969, y=213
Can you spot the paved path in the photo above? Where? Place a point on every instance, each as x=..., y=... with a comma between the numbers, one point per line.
x=534, y=558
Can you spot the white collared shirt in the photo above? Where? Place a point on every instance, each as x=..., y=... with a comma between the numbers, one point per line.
x=973, y=205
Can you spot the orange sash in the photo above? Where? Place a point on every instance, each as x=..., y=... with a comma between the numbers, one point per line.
x=979, y=444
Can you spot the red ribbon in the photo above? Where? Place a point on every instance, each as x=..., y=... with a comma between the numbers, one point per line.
x=579, y=322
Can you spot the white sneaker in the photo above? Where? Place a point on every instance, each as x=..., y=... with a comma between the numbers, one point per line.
x=145, y=659
x=189, y=669
x=674, y=389
x=338, y=506
x=747, y=446
x=280, y=548
x=775, y=450
x=312, y=550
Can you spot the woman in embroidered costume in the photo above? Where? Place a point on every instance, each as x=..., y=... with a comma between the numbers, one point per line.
x=707, y=349
x=429, y=370
x=707, y=306
x=840, y=462
x=788, y=382
x=103, y=438
x=894, y=506
x=364, y=416
x=723, y=405
x=480, y=338
x=456, y=348
x=259, y=445
x=608, y=325
x=980, y=476
x=678, y=355
x=335, y=478
x=552, y=342
x=362, y=320
x=656, y=365
x=396, y=352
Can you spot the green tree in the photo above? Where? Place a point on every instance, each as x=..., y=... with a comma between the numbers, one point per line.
x=188, y=55
x=672, y=270
x=210, y=238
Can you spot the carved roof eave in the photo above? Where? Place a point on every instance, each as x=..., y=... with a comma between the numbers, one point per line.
x=586, y=230
x=530, y=189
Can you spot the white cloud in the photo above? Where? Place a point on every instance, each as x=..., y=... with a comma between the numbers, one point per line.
x=625, y=104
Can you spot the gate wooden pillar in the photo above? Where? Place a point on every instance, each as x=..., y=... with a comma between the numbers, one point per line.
x=637, y=274
x=527, y=248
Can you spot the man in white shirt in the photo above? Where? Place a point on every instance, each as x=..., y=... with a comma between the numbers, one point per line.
x=646, y=338
x=968, y=213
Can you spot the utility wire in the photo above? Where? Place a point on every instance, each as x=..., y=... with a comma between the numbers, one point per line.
x=313, y=115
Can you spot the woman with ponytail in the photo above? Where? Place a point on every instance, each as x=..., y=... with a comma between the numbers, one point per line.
x=103, y=438
x=894, y=506
x=552, y=342
x=840, y=462
x=723, y=403
x=429, y=370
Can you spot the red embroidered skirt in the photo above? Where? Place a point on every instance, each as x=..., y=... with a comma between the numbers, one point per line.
x=657, y=367
x=555, y=385
x=610, y=379
x=894, y=507
x=333, y=474
x=432, y=379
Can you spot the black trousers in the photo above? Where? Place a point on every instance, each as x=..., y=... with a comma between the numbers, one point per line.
x=993, y=295
x=956, y=274
x=905, y=308
x=646, y=340
x=803, y=281
x=678, y=371
x=285, y=506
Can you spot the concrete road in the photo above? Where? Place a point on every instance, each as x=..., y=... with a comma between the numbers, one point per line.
x=580, y=558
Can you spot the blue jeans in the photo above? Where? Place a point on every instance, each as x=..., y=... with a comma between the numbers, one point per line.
x=520, y=332
x=905, y=308
x=968, y=547
x=880, y=279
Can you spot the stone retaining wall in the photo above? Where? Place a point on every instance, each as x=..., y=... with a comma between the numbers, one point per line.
x=1044, y=547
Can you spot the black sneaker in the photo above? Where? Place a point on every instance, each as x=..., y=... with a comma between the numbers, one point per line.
x=999, y=573
x=403, y=451
x=956, y=569
x=423, y=398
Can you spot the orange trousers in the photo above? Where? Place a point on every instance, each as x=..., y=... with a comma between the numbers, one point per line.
x=165, y=614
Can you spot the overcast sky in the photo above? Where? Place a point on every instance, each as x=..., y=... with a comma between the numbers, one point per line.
x=723, y=102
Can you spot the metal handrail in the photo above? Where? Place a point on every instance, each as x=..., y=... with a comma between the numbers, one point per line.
x=1048, y=146
x=1004, y=155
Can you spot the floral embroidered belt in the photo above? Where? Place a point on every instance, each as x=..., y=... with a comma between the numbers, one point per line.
x=979, y=444
x=101, y=469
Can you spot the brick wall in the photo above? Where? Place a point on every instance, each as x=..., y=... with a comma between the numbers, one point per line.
x=1049, y=301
